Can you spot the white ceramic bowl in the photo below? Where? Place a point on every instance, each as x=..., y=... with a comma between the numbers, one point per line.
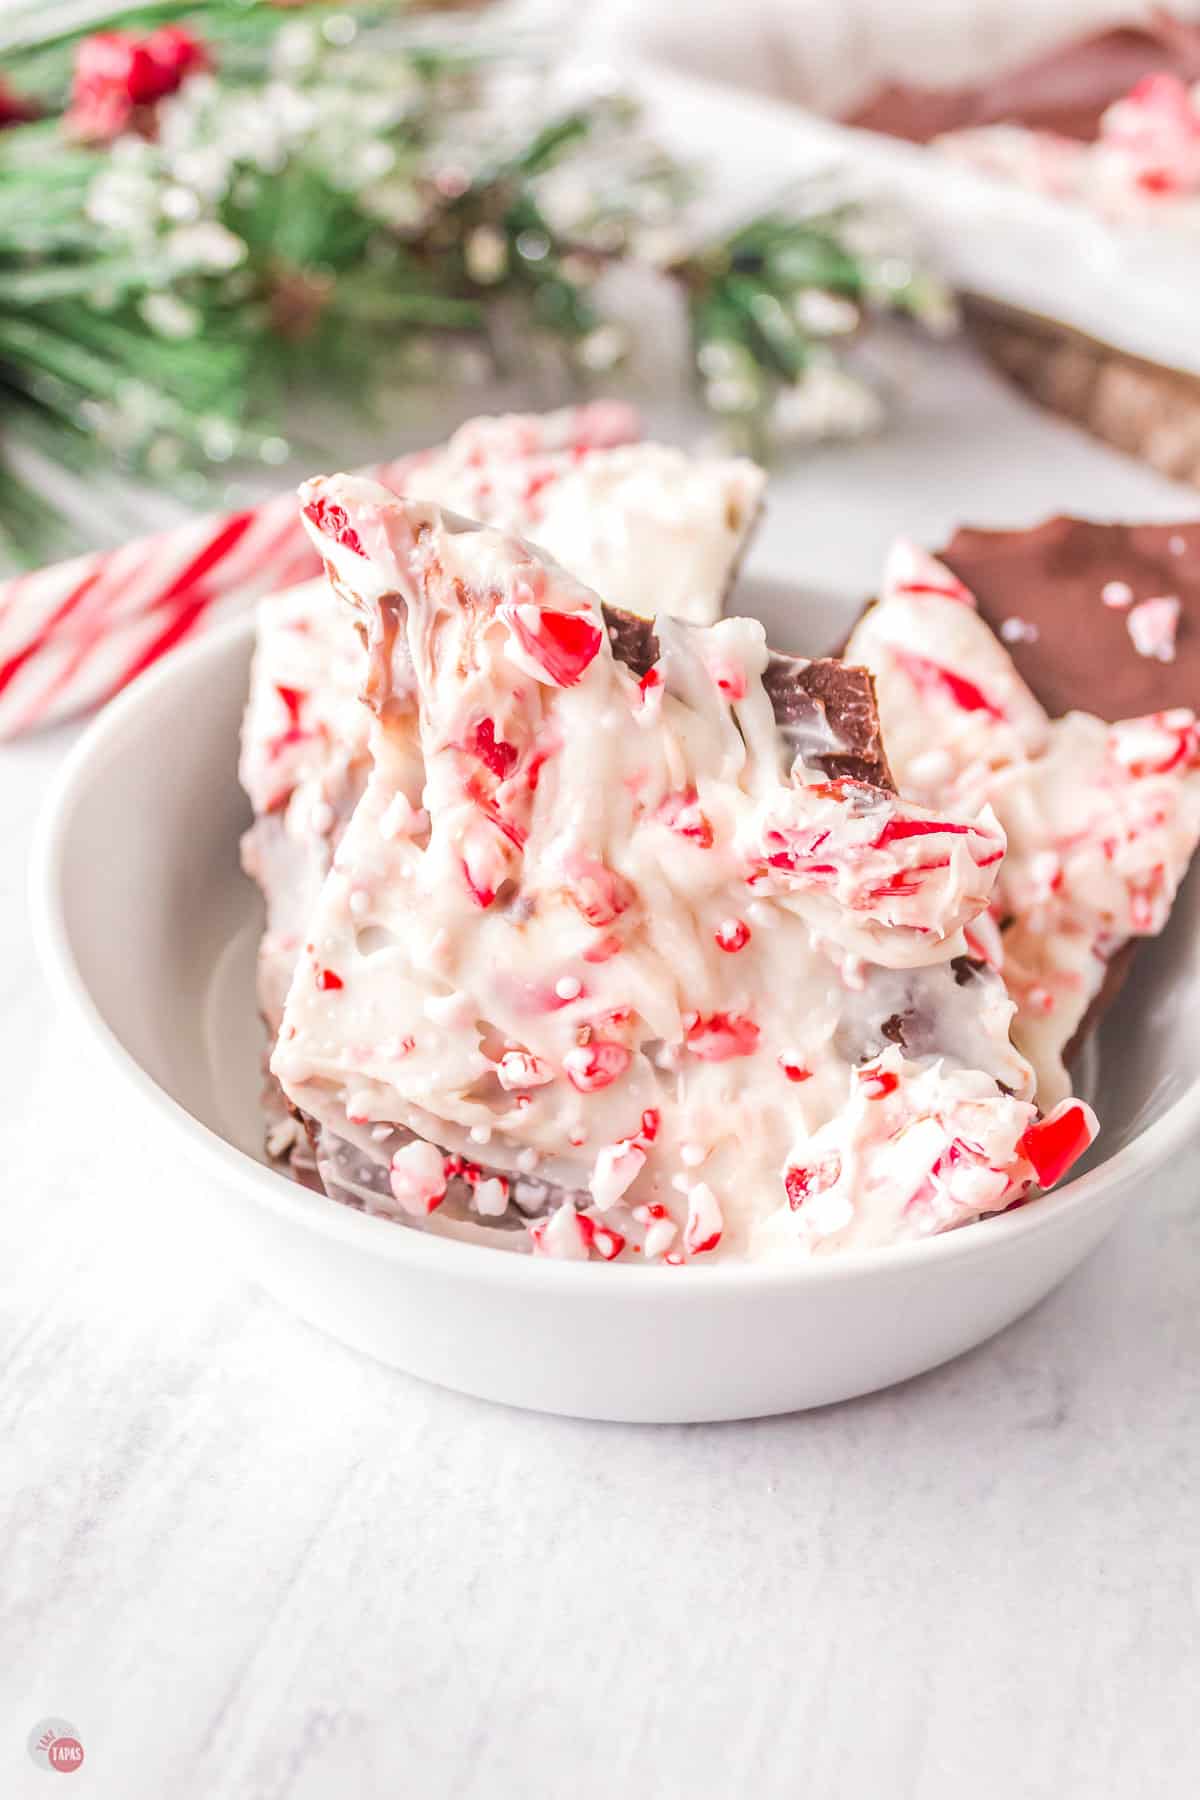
x=147, y=928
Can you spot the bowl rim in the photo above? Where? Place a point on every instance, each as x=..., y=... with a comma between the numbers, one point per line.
x=121, y=719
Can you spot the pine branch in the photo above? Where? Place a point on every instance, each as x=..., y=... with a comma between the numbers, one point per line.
x=332, y=198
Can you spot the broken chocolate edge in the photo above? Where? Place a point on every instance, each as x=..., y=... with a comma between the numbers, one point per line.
x=836, y=696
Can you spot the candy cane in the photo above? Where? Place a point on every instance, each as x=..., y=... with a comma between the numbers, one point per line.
x=74, y=634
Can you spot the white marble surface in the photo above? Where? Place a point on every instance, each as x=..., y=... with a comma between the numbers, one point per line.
x=245, y=1562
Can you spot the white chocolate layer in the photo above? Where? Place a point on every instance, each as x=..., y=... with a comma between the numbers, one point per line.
x=1101, y=820
x=619, y=942
x=651, y=527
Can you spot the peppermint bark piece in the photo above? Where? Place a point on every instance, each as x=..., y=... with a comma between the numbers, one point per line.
x=656, y=529
x=1142, y=168
x=1102, y=813
x=1106, y=129
x=303, y=764
x=625, y=944
x=648, y=526
x=1065, y=91
x=651, y=527
x=822, y=705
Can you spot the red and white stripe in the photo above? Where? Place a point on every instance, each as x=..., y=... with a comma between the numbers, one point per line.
x=74, y=634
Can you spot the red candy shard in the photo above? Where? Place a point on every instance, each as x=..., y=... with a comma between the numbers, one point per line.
x=682, y=814
x=729, y=677
x=329, y=981
x=843, y=789
x=493, y=752
x=599, y=893
x=911, y=570
x=955, y=591
x=722, y=1036
x=732, y=935
x=1055, y=1143
x=563, y=643
x=1156, y=744
x=536, y=482
x=606, y=1242
x=801, y=1182
x=482, y=895
x=926, y=674
x=471, y=1173
x=595, y=1065
x=698, y=1247
x=879, y=1083
x=331, y=519
x=293, y=699
x=603, y=951
x=910, y=828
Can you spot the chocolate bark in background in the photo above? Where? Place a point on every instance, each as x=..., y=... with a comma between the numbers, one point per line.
x=1054, y=577
x=1140, y=407
x=1064, y=91
x=1145, y=409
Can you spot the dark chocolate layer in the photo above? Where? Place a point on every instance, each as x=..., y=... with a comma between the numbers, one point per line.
x=1083, y=659
x=1053, y=576
x=812, y=701
x=829, y=698
x=1065, y=91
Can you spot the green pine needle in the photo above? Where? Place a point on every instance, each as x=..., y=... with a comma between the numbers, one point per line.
x=343, y=190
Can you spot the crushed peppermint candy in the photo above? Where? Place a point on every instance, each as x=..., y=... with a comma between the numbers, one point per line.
x=609, y=507
x=617, y=1167
x=1143, y=163
x=517, y=796
x=1100, y=819
x=1152, y=627
x=418, y=1178
x=705, y=1222
x=554, y=835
